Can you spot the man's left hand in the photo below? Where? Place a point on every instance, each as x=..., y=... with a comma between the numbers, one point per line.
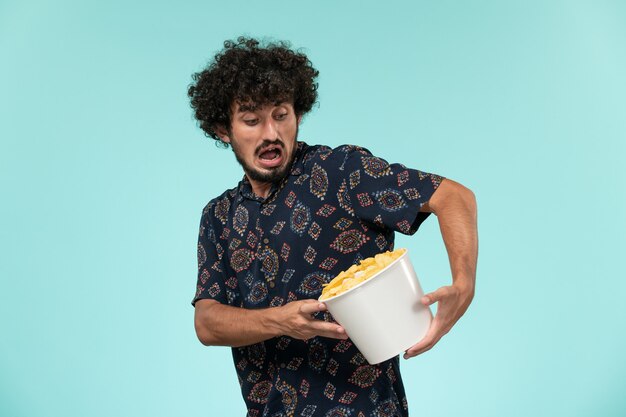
x=453, y=302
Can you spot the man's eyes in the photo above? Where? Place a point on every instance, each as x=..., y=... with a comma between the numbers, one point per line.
x=255, y=121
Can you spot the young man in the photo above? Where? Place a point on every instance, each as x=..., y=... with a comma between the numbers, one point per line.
x=300, y=215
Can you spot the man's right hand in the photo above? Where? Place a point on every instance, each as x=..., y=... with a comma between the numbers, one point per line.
x=224, y=325
x=296, y=320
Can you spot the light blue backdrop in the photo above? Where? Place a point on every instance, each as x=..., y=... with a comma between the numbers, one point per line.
x=104, y=174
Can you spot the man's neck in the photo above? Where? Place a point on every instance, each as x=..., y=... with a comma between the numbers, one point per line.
x=260, y=189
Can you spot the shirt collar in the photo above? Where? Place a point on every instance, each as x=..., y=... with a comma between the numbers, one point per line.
x=245, y=189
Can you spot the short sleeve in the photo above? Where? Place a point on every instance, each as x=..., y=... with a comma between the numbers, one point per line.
x=211, y=276
x=387, y=195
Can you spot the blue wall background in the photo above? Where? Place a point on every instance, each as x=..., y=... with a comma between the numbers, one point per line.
x=104, y=174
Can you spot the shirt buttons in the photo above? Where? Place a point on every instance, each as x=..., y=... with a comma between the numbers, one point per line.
x=272, y=285
x=266, y=241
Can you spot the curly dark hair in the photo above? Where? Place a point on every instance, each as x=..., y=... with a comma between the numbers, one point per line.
x=249, y=72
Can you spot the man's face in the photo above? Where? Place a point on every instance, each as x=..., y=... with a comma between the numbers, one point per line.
x=263, y=139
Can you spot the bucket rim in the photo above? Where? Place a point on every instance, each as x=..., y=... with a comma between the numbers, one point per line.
x=361, y=284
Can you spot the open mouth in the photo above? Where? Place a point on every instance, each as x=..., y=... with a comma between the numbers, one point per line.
x=270, y=153
x=271, y=157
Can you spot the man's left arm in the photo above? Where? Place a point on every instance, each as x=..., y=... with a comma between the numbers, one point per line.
x=455, y=208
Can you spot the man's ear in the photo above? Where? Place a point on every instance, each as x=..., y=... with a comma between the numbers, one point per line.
x=299, y=119
x=222, y=133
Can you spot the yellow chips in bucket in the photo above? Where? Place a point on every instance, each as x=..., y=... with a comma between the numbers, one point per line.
x=359, y=272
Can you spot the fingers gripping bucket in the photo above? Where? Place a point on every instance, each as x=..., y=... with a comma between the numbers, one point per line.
x=384, y=315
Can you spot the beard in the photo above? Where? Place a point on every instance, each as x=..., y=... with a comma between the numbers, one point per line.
x=270, y=175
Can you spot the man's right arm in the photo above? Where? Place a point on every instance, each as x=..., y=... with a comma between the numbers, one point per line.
x=222, y=325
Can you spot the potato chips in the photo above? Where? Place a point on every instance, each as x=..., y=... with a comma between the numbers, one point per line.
x=359, y=273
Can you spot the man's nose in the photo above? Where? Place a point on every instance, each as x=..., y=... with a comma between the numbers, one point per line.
x=269, y=129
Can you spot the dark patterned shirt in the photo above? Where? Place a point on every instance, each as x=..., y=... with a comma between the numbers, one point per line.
x=336, y=207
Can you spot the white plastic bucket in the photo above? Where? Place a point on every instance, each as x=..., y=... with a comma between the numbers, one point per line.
x=384, y=315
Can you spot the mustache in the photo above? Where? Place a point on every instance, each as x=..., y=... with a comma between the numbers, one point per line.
x=266, y=143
